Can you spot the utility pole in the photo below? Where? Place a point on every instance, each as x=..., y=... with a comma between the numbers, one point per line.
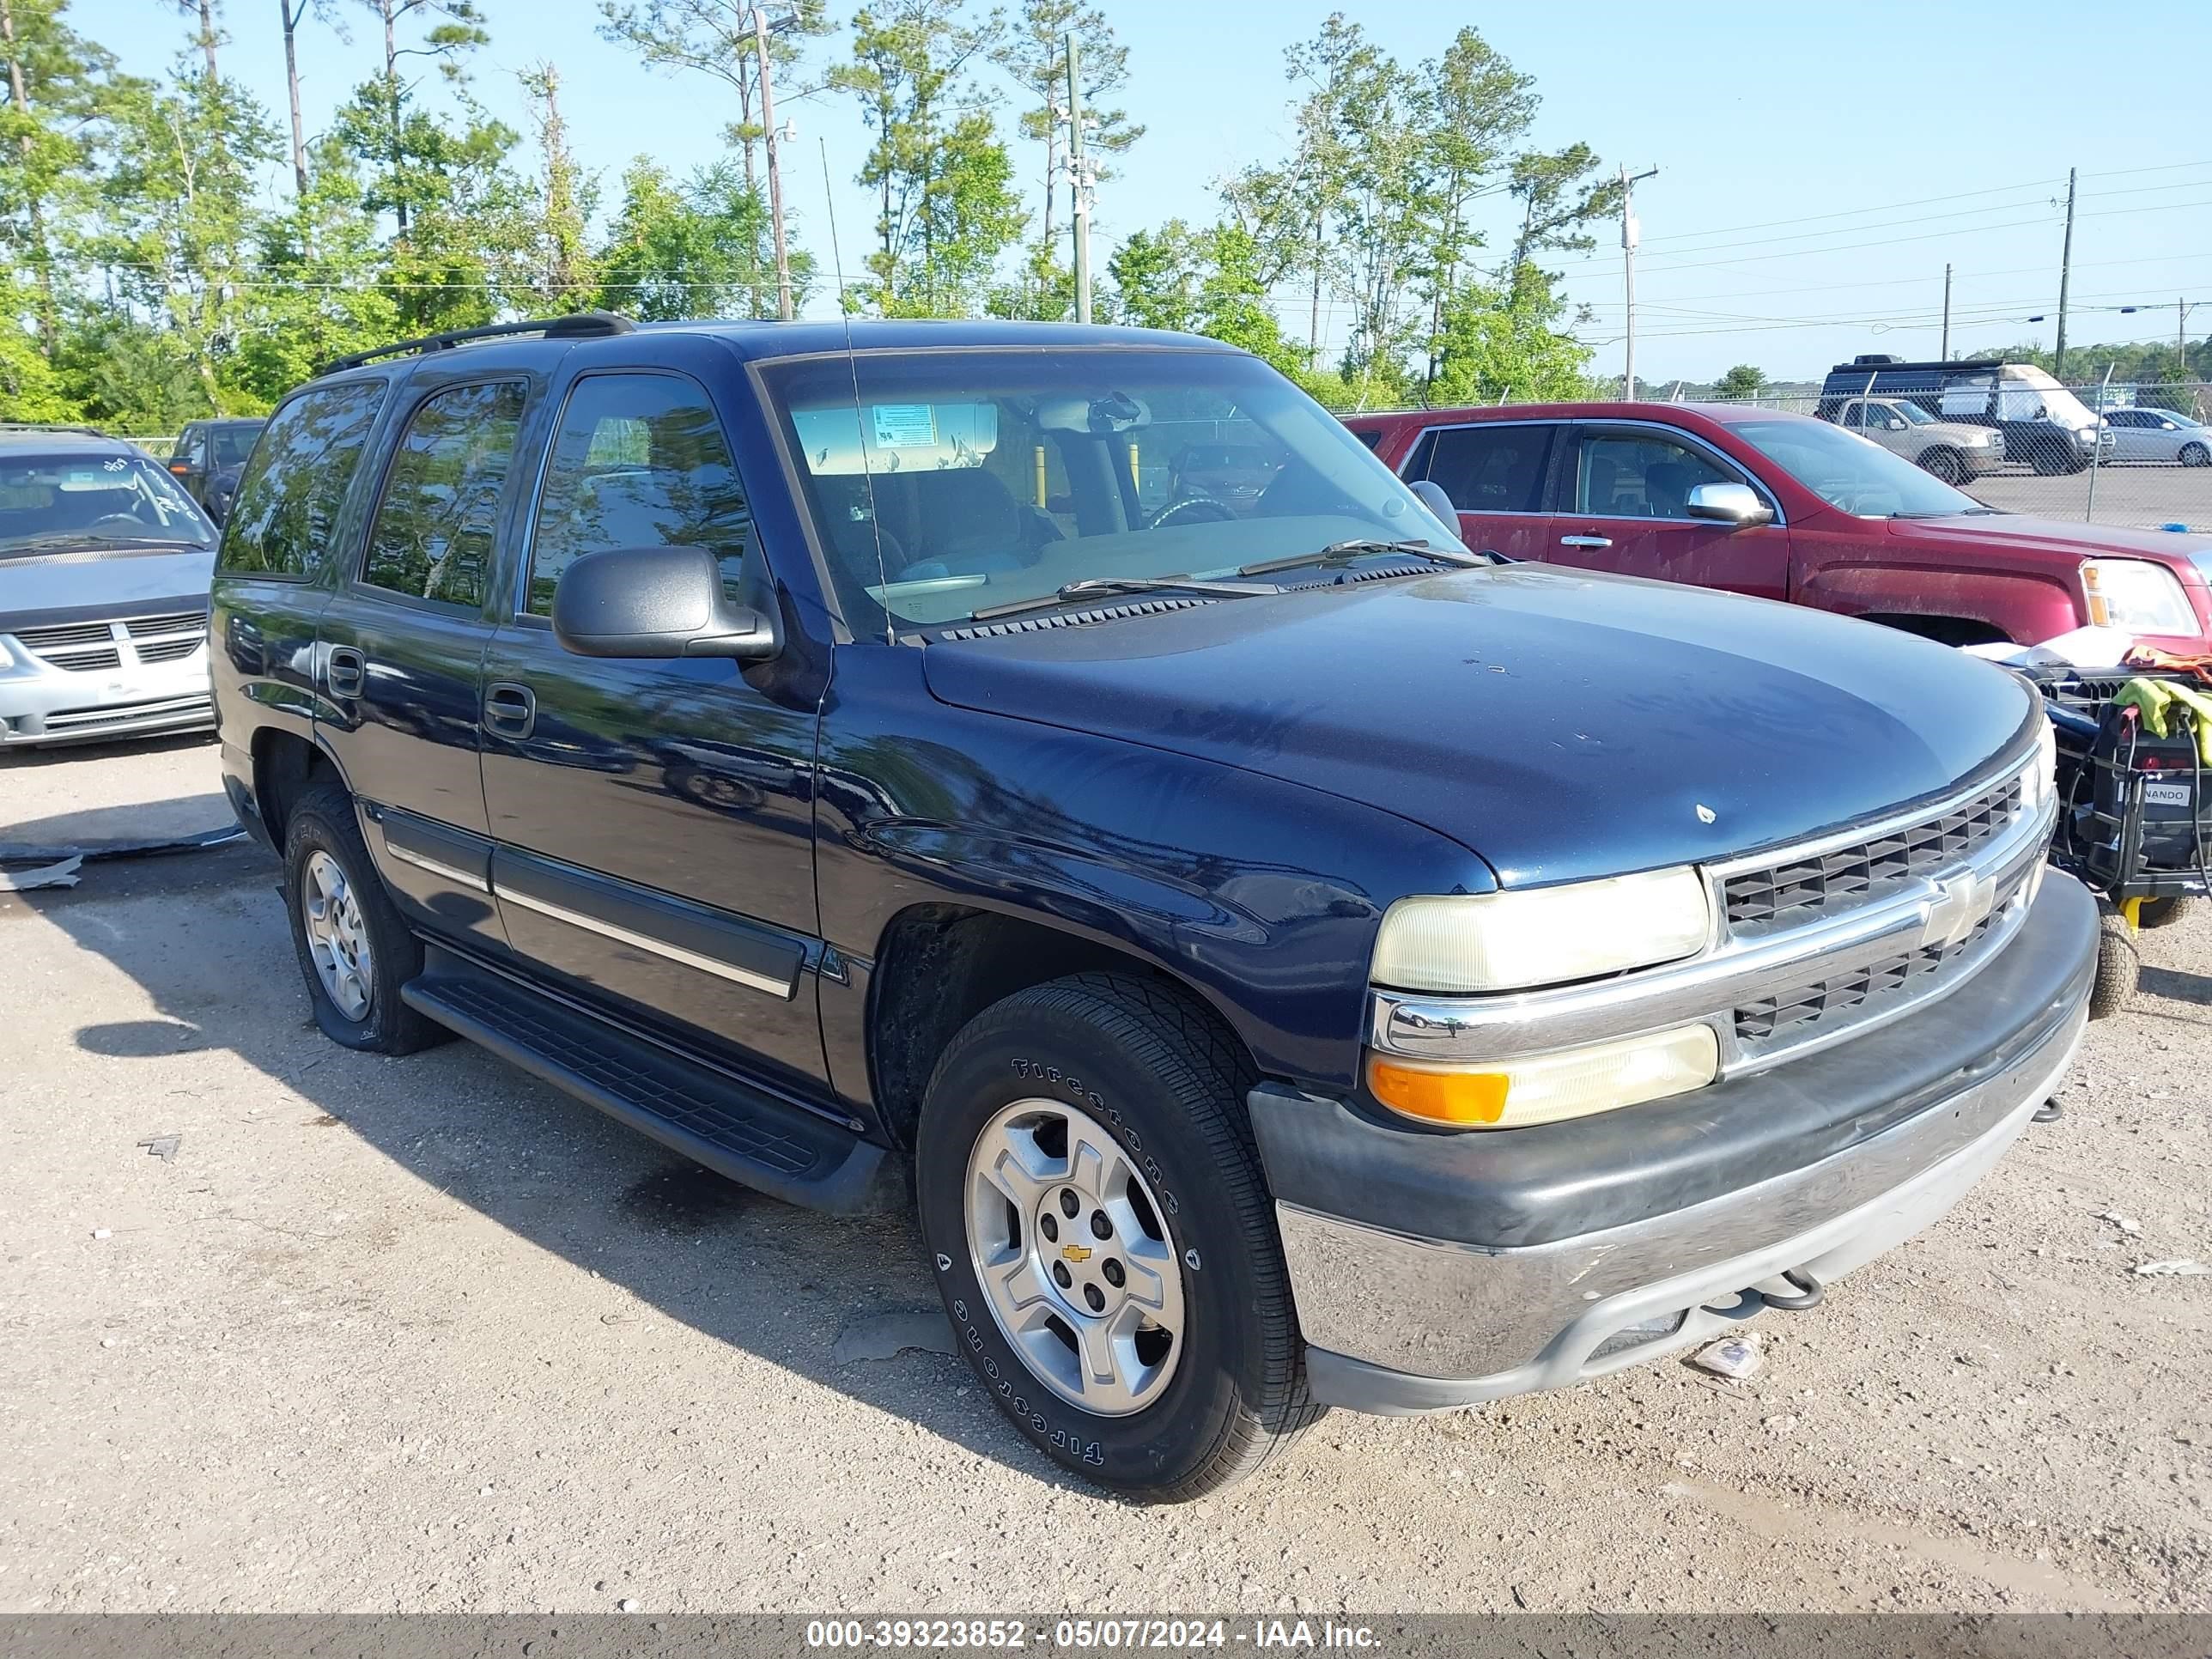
x=1945, y=354
x=1079, y=215
x=1630, y=231
x=775, y=170
x=2065, y=275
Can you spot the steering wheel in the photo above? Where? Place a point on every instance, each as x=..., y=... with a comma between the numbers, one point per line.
x=1192, y=509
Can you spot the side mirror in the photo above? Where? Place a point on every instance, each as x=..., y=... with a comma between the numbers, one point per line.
x=654, y=601
x=1432, y=496
x=1727, y=503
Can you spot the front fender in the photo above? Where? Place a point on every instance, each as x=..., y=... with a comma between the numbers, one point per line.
x=1261, y=896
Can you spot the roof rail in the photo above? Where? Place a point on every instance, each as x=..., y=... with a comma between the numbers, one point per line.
x=576, y=326
x=51, y=426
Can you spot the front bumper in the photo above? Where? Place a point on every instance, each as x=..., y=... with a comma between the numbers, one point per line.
x=1896, y=1126
x=40, y=703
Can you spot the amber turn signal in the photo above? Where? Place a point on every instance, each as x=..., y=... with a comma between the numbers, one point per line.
x=1461, y=1099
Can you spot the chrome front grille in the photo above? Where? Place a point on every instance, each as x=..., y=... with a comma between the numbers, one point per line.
x=98, y=646
x=1811, y=942
x=1860, y=992
x=1794, y=892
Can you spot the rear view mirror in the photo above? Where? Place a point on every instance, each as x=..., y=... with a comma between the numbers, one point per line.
x=1727, y=503
x=654, y=601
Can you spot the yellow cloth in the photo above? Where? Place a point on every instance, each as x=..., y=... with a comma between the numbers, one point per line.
x=2154, y=699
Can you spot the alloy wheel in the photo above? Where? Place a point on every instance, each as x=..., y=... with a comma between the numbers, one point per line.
x=338, y=935
x=1074, y=1254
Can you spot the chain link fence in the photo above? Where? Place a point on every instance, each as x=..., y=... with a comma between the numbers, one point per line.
x=2152, y=469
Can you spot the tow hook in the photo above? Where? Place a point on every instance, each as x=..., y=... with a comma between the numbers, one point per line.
x=1805, y=1282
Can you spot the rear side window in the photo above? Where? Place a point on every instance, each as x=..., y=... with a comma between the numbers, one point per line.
x=1487, y=469
x=438, y=516
x=640, y=461
x=289, y=499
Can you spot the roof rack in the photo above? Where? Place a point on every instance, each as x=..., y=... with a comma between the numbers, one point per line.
x=51, y=426
x=576, y=326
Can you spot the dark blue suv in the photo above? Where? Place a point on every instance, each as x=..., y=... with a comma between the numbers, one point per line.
x=1301, y=961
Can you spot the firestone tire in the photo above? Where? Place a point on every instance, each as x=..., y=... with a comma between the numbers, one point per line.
x=337, y=904
x=1132, y=1070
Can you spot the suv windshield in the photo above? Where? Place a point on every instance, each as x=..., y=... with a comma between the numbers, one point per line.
x=1846, y=471
x=90, y=500
x=960, y=481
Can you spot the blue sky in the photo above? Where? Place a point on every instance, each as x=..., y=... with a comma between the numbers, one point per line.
x=1818, y=164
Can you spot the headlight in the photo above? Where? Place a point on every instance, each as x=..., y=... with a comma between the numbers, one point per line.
x=1542, y=936
x=1545, y=1088
x=2137, y=595
x=2040, y=782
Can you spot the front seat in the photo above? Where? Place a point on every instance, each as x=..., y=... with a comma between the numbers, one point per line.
x=963, y=522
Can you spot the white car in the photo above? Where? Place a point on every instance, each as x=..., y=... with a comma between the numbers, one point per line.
x=105, y=565
x=2159, y=435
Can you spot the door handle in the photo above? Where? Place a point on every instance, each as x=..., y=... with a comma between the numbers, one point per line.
x=1585, y=541
x=510, y=710
x=345, y=672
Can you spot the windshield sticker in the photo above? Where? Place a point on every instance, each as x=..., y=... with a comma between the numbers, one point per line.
x=905, y=426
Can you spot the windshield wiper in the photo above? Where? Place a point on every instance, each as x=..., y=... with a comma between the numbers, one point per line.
x=1345, y=552
x=1092, y=587
x=78, y=538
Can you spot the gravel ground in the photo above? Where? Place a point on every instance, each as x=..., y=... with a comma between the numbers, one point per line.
x=424, y=1334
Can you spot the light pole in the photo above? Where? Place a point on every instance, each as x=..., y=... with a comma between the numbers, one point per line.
x=1629, y=233
x=762, y=29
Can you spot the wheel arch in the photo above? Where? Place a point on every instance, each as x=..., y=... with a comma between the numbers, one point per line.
x=1944, y=630
x=938, y=964
x=287, y=765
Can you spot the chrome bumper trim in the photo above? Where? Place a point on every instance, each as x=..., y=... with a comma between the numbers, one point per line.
x=1457, y=1323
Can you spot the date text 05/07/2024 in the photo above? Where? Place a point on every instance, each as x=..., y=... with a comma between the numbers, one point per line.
x=1085, y=1634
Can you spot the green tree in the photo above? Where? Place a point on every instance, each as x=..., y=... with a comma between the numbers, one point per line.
x=944, y=181
x=715, y=38
x=57, y=86
x=561, y=256
x=1155, y=275
x=1558, y=199
x=1509, y=342
x=1744, y=381
x=1474, y=107
x=687, y=249
x=1232, y=297
x=1312, y=187
x=383, y=121
x=179, y=206
x=319, y=292
x=1034, y=54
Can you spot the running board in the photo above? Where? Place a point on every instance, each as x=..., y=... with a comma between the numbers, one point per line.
x=744, y=1132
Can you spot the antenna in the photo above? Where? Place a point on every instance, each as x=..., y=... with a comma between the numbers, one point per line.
x=859, y=423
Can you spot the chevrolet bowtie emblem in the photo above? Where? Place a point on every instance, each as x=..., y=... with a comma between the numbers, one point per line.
x=1960, y=902
x=1076, y=1252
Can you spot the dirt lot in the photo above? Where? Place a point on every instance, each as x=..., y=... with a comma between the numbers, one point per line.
x=424, y=1335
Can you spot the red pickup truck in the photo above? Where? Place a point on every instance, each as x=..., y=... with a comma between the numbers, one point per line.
x=1789, y=508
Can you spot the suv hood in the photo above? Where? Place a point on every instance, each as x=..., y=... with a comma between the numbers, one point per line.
x=101, y=584
x=2080, y=541
x=1560, y=724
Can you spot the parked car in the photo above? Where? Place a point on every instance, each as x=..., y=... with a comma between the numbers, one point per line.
x=2044, y=425
x=1952, y=452
x=2164, y=436
x=207, y=448
x=1304, y=963
x=104, y=572
x=1785, y=507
